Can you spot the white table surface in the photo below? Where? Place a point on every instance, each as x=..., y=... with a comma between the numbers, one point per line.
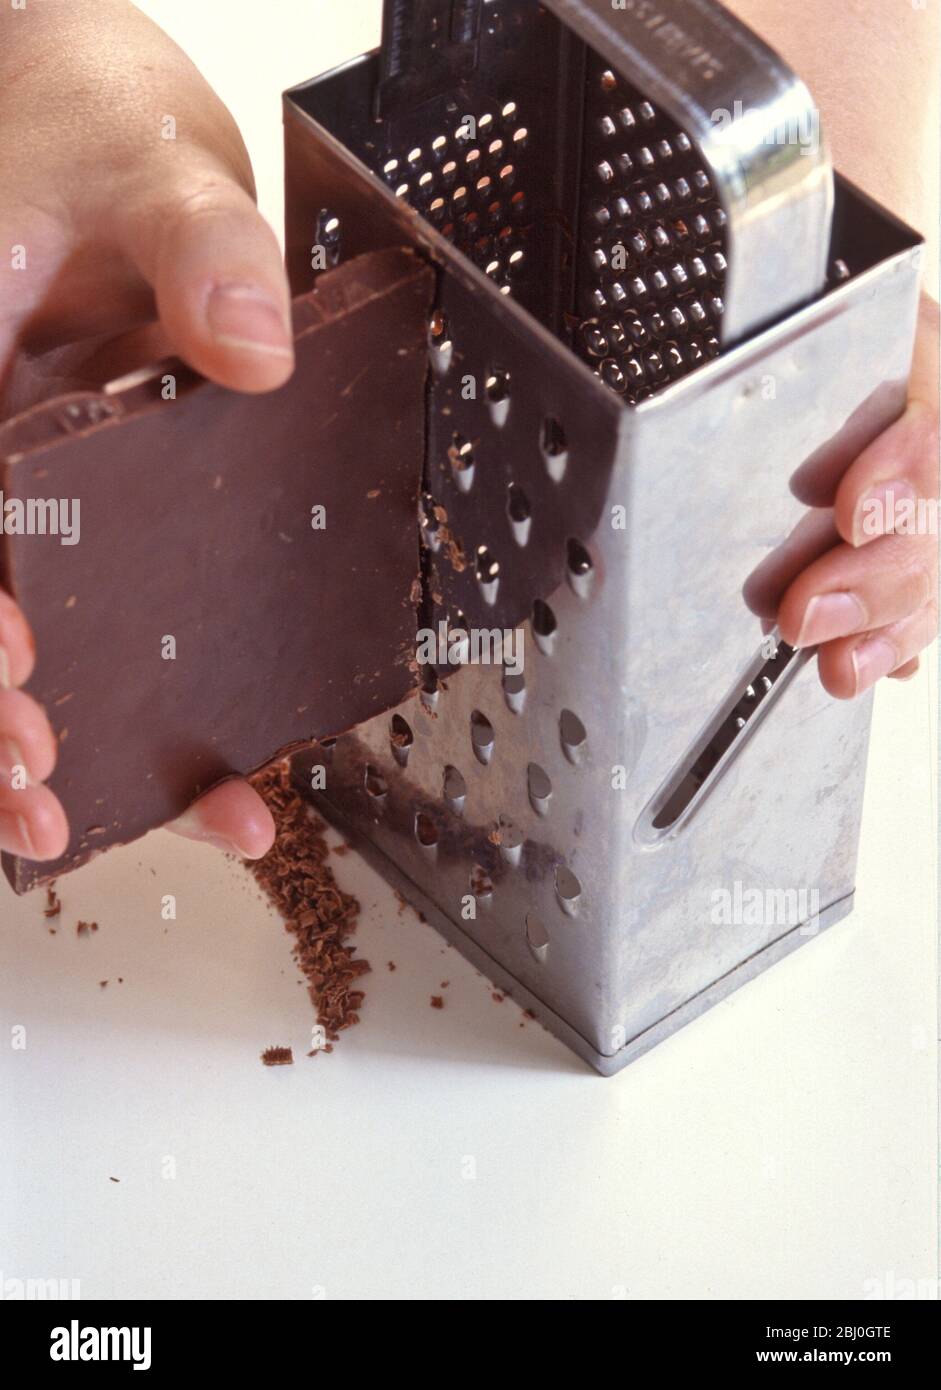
x=781, y=1146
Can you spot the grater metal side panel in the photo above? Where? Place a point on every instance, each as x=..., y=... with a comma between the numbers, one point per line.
x=516, y=809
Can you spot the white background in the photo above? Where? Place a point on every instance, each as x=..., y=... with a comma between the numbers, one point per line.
x=781, y=1146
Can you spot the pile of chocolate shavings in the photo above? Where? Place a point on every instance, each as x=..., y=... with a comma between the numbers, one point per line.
x=296, y=877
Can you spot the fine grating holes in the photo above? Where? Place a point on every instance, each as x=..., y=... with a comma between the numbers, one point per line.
x=554, y=448
x=573, y=737
x=482, y=737
x=579, y=568
x=519, y=512
x=488, y=574
x=537, y=938
x=539, y=786
x=454, y=789
x=401, y=739
x=568, y=890
x=545, y=626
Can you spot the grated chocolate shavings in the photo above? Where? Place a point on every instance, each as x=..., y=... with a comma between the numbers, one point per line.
x=53, y=904
x=278, y=1057
x=437, y=1002
x=296, y=877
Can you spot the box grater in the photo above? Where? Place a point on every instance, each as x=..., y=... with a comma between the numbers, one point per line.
x=655, y=303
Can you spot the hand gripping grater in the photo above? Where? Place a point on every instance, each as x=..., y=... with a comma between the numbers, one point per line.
x=654, y=306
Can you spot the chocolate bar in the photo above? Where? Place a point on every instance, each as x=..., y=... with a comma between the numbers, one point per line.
x=238, y=574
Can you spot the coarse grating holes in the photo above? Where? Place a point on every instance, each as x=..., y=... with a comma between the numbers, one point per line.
x=430, y=689
x=481, y=885
x=573, y=737
x=439, y=144
x=514, y=691
x=509, y=840
x=461, y=455
x=537, y=938
x=568, y=890
x=454, y=789
x=539, y=786
x=414, y=156
x=374, y=782
x=488, y=575
x=482, y=737
x=497, y=389
x=439, y=340
x=544, y=625
x=401, y=739
x=579, y=568
x=426, y=833
x=608, y=81
x=509, y=111
x=555, y=449
x=402, y=190
x=458, y=639
x=519, y=512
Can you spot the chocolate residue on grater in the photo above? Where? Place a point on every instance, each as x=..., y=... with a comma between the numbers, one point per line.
x=296, y=877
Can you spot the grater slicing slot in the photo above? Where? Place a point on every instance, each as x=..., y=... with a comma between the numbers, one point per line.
x=721, y=741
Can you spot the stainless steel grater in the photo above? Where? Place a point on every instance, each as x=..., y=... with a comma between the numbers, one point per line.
x=655, y=303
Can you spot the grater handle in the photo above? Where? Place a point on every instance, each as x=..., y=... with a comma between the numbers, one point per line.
x=756, y=127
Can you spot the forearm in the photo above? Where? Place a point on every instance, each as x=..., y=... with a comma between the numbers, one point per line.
x=872, y=67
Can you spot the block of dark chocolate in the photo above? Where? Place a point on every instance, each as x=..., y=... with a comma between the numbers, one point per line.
x=211, y=577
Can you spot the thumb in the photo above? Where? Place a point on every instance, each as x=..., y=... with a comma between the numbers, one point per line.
x=215, y=267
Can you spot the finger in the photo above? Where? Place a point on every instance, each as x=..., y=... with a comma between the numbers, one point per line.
x=852, y=665
x=32, y=823
x=232, y=817
x=893, y=485
x=26, y=738
x=812, y=537
x=216, y=268
x=17, y=648
x=848, y=591
x=906, y=672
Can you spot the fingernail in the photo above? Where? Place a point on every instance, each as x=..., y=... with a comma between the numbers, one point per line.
x=5, y=677
x=829, y=616
x=190, y=826
x=240, y=316
x=872, y=660
x=14, y=831
x=879, y=512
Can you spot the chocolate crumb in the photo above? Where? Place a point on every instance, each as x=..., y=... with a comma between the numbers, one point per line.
x=114, y=1179
x=391, y=964
x=437, y=1002
x=83, y=928
x=53, y=904
x=277, y=1057
x=102, y=983
x=444, y=984
x=297, y=879
x=497, y=998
